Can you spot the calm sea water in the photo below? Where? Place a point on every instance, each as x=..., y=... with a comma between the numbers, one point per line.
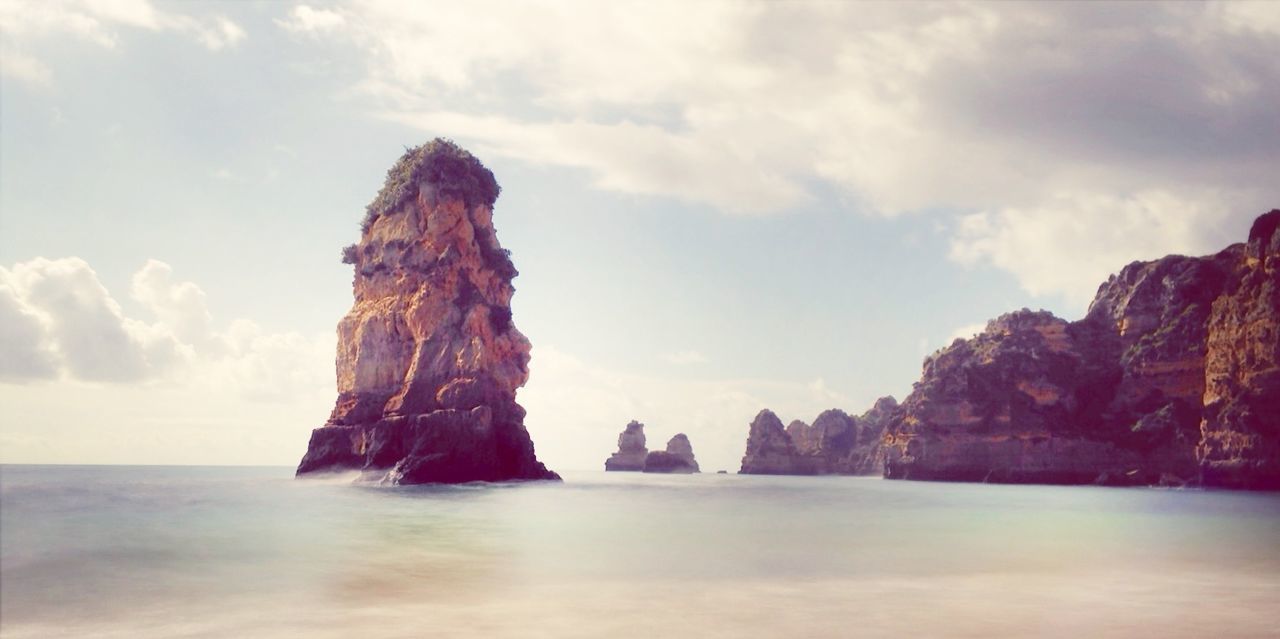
x=222, y=552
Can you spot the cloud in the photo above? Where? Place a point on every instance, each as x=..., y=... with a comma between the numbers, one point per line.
x=180, y=306
x=24, y=352
x=644, y=159
x=24, y=24
x=92, y=338
x=58, y=321
x=304, y=19
x=16, y=64
x=216, y=33
x=1071, y=243
x=681, y=358
x=998, y=110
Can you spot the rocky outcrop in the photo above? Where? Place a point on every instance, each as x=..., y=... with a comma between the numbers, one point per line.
x=631, y=450
x=871, y=429
x=428, y=358
x=677, y=458
x=836, y=443
x=1240, y=424
x=770, y=450
x=1170, y=378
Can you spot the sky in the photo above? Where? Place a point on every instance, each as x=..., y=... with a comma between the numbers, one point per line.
x=715, y=207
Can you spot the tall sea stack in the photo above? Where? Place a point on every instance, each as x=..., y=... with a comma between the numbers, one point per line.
x=631, y=449
x=428, y=358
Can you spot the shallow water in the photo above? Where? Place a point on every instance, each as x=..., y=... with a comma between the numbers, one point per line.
x=215, y=552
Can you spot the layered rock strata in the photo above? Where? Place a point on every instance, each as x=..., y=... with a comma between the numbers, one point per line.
x=428, y=358
x=631, y=450
x=677, y=458
x=836, y=443
x=1172, y=377
x=1240, y=427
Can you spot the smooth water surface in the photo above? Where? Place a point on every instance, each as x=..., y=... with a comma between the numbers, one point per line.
x=218, y=552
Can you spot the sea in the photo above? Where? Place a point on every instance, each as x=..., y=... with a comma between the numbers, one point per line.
x=133, y=551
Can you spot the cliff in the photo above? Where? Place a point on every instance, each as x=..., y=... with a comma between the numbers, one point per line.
x=770, y=450
x=677, y=458
x=1240, y=427
x=836, y=443
x=631, y=450
x=1170, y=378
x=428, y=358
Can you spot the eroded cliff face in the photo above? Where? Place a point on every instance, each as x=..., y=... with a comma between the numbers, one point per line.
x=1166, y=380
x=836, y=443
x=770, y=450
x=1240, y=447
x=631, y=450
x=428, y=359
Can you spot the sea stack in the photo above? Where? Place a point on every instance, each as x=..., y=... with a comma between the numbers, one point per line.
x=770, y=450
x=631, y=450
x=836, y=444
x=677, y=458
x=1171, y=378
x=428, y=358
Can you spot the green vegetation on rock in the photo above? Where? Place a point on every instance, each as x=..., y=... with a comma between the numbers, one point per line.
x=452, y=170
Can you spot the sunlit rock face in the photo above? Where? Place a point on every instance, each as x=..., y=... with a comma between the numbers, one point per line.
x=1241, y=422
x=836, y=443
x=631, y=450
x=677, y=458
x=1168, y=379
x=428, y=358
x=872, y=425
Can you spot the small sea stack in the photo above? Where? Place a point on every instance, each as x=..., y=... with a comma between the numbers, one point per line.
x=677, y=458
x=631, y=450
x=837, y=443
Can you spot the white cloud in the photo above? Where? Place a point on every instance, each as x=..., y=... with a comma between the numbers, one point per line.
x=304, y=19
x=23, y=67
x=216, y=33
x=1071, y=243
x=81, y=381
x=752, y=107
x=681, y=358
x=1250, y=15
x=60, y=321
x=92, y=338
x=180, y=306
x=24, y=350
x=23, y=24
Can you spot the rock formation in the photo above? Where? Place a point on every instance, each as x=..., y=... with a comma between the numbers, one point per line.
x=836, y=443
x=1240, y=447
x=770, y=450
x=871, y=428
x=631, y=450
x=677, y=458
x=428, y=358
x=1170, y=378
